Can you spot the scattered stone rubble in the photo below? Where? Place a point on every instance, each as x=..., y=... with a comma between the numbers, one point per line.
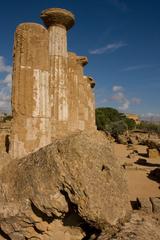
x=149, y=205
x=138, y=137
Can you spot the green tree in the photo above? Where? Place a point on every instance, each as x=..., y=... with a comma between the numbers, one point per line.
x=112, y=121
x=117, y=128
x=7, y=118
x=105, y=116
x=130, y=123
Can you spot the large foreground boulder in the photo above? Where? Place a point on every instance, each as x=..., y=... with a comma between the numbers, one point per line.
x=69, y=190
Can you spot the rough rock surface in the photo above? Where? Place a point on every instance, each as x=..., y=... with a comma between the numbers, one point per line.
x=5, y=158
x=140, y=227
x=71, y=190
x=153, y=144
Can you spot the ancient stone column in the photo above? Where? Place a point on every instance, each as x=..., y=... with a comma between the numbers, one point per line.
x=30, y=91
x=90, y=102
x=75, y=77
x=58, y=21
x=81, y=96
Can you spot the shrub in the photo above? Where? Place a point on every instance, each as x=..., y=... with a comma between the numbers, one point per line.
x=112, y=121
x=7, y=118
x=149, y=127
x=117, y=128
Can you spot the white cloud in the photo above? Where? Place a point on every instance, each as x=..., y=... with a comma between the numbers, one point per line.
x=121, y=98
x=7, y=80
x=109, y=48
x=140, y=67
x=5, y=86
x=117, y=88
x=3, y=67
x=150, y=116
x=125, y=105
x=4, y=101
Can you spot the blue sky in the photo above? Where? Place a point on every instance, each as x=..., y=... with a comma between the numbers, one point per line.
x=121, y=38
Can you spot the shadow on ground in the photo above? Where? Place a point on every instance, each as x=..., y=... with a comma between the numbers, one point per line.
x=155, y=175
x=143, y=155
x=143, y=162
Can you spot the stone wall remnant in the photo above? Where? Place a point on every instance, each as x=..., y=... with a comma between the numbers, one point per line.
x=51, y=97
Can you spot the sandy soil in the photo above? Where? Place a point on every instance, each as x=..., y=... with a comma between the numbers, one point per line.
x=139, y=184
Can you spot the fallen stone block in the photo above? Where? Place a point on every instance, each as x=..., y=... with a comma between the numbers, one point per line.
x=156, y=204
x=145, y=204
x=153, y=153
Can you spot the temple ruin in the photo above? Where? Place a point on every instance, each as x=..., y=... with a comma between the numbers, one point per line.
x=51, y=97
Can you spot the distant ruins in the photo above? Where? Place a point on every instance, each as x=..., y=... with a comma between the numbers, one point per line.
x=51, y=97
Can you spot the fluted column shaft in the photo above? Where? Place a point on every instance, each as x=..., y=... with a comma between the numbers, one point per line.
x=58, y=56
x=30, y=90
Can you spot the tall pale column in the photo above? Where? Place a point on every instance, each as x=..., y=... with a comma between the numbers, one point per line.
x=58, y=21
x=30, y=92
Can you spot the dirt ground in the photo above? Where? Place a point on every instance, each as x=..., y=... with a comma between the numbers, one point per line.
x=137, y=173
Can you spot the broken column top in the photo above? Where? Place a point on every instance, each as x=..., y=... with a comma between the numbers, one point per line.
x=58, y=16
x=82, y=60
x=91, y=81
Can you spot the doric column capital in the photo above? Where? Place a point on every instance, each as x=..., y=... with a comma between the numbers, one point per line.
x=57, y=17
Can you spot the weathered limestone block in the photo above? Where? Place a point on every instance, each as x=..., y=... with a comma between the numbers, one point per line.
x=145, y=205
x=30, y=91
x=68, y=189
x=156, y=205
x=153, y=153
x=58, y=21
